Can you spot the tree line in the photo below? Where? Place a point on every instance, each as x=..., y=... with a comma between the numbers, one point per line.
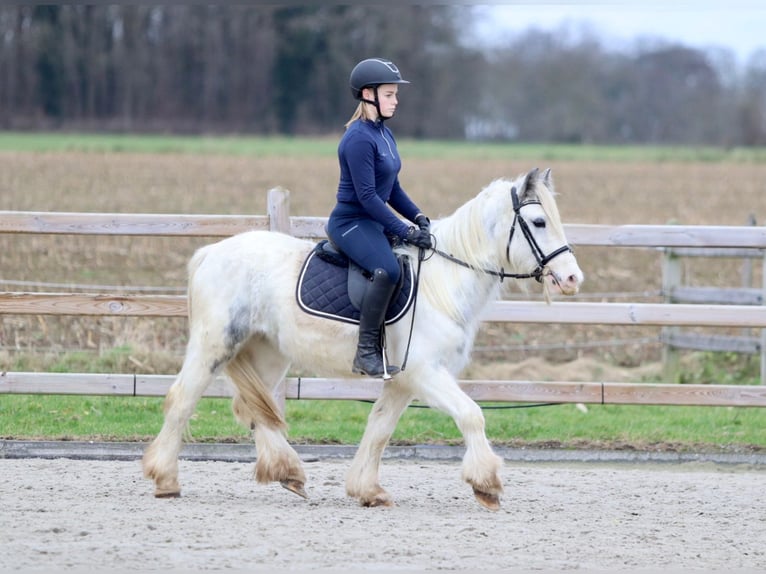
x=270, y=69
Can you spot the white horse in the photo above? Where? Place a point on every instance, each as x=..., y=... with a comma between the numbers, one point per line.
x=244, y=321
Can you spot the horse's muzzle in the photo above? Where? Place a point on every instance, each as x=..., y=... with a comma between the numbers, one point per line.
x=569, y=285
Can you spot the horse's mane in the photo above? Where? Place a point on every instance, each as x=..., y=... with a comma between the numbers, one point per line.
x=477, y=233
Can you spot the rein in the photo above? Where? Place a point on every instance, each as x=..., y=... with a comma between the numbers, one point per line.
x=537, y=274
x=421, y=256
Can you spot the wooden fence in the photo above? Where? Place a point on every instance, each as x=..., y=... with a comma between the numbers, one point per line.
x=676, y=291
x=278, y=219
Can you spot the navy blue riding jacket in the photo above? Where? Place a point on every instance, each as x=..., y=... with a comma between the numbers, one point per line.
x=369, y=184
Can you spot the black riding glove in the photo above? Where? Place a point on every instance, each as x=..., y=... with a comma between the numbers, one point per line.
x=418, y=238
x=423, y=222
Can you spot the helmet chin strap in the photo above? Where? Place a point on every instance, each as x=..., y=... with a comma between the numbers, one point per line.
x=376, y=103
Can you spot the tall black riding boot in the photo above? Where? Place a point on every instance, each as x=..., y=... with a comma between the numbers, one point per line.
x=369, y=352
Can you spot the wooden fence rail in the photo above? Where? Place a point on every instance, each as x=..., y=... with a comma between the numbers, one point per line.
x=181, y=225
x=500, y=311
x=645, y=236
x=300, y=388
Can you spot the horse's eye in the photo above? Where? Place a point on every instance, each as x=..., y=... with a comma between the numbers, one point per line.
x=539, y=223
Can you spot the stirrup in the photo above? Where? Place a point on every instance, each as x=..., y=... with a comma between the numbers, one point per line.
x=394, y=370
x=387, y=374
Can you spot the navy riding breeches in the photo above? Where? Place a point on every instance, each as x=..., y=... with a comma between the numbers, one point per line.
x=363, y=240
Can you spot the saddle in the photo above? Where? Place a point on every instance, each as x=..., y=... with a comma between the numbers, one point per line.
x=331, y=285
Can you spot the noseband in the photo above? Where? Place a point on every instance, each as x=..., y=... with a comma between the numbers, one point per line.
x=540, y=257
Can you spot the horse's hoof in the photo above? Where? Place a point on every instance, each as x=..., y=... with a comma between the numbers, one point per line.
x=378, y=502
x=295, y=486
x=167, y=493
x=489, y=501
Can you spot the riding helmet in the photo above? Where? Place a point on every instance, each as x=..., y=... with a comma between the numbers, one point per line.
x=373, y=72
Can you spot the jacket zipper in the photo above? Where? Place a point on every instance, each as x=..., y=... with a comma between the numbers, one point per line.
x=385, y=139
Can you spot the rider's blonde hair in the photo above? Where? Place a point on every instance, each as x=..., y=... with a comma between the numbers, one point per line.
x=361, y=113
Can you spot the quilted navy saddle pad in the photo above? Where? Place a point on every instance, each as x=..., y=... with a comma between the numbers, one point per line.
x=323, y=289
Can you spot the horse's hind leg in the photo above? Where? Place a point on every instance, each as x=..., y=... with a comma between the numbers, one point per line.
x=160, y=461
x=256, y=372
x=362, y=479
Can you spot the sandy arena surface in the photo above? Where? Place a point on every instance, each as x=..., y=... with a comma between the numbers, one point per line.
x=61, y=514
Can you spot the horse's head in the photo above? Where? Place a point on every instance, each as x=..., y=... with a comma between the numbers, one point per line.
x=536, y=242
x=512, y=229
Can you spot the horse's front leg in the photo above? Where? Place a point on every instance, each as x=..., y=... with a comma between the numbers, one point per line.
x=362, y=480
x=481, y=466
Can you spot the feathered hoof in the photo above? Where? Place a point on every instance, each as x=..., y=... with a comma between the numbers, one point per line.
x=487, y=500
x=166, y=488
x=380, y=501
x=167, y=493
x=295, y=486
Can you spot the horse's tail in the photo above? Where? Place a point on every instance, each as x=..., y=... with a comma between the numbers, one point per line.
x=254, y=402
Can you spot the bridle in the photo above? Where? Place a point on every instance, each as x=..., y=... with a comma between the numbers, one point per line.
x=540, y=257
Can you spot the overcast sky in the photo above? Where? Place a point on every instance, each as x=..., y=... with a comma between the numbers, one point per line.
x=739, y=25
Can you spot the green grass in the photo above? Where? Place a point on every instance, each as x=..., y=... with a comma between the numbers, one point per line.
x=74, y=417
x=342, y=422
x=326, y=146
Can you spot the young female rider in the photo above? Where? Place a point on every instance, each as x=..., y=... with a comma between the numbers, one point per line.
x=362, y=220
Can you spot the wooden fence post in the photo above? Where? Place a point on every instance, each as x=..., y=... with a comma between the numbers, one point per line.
x=747, y=281
x=671, y=279
x=278, y=209
x=763, y=331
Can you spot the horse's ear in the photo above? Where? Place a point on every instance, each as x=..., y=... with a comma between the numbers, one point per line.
x=525, y=186
x=547, y=179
